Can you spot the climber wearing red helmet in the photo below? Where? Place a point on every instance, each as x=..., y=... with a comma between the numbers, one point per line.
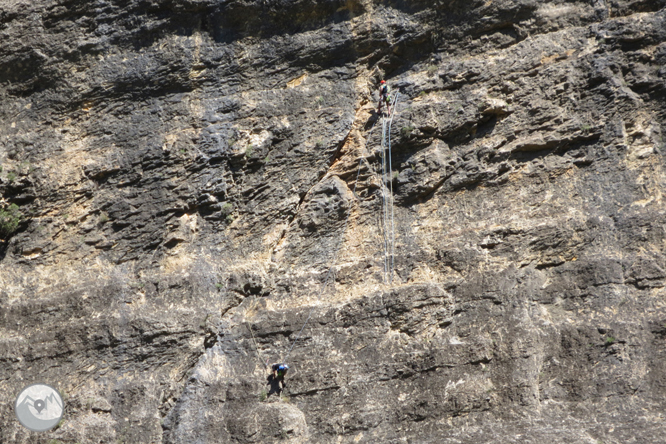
x=384, y=96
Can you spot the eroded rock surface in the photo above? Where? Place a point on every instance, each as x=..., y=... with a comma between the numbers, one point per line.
x=188, y=171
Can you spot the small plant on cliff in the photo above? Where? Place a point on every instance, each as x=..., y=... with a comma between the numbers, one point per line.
x=610, y=340
x=431, y=70
x=406, y=131
x=26, y=166
x=227, y=208
x=249, y=150
x=9, y=219
x=11, y=176
x=103, y=218
x=263, y=395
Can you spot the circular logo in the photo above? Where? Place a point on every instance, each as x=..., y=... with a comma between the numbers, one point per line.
x=39, y=407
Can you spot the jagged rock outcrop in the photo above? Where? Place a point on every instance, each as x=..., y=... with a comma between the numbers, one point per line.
x=178, y=178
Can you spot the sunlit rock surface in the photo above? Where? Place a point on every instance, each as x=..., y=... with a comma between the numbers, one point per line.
x=186, y=173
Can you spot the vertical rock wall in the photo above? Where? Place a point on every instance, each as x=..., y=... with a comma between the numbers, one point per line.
x=178, y=177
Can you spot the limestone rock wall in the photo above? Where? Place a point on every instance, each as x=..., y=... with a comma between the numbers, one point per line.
x=186, y=175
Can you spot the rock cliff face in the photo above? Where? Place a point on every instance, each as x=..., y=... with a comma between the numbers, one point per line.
x=179, y=176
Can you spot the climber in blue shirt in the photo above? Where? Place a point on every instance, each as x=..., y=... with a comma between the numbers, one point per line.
x=279, y=370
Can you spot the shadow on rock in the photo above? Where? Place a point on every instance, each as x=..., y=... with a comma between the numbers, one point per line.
x=275, y=386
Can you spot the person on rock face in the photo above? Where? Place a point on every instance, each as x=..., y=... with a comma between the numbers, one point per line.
x=279, y=370
x=384, y=96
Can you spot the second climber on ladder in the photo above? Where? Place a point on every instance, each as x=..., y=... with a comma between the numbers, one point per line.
x=384, y=97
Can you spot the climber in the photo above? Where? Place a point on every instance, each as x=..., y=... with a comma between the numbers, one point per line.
x=279, y=370
x=384, y=96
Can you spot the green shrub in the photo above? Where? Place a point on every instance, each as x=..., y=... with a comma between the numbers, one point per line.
x=431, y=70
x=11, y=176
x=249, y=150
x=610, y=340
x=406, y=131
x=263, y=395
x=9, y=219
